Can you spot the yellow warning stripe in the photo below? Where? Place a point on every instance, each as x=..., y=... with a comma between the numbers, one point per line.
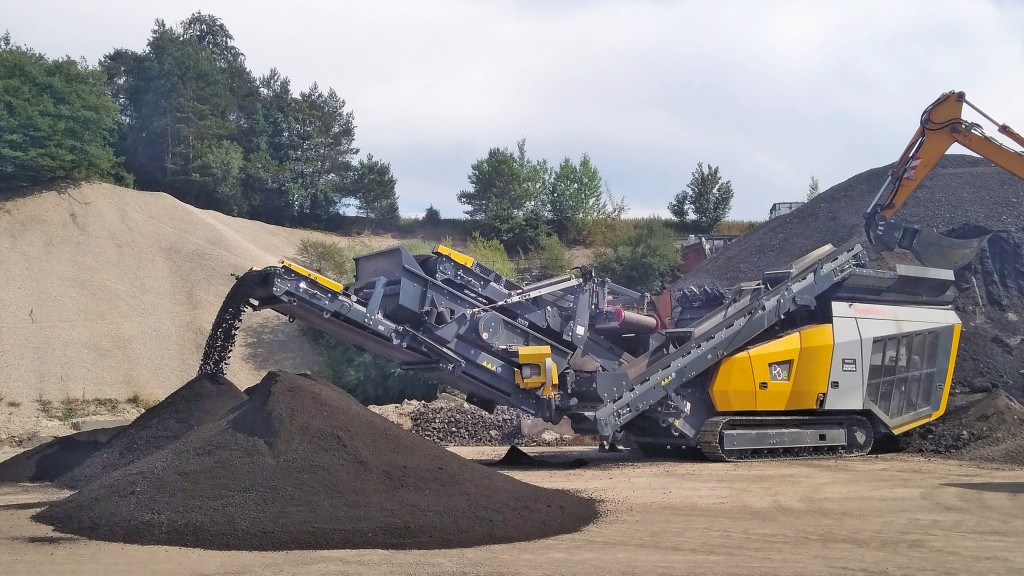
x=459, y=257
x=320, y=279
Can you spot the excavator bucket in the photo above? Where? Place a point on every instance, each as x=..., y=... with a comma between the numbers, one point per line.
x=928, y=246
x=938, y=251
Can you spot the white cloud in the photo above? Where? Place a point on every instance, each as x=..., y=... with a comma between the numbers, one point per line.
x=772, y=92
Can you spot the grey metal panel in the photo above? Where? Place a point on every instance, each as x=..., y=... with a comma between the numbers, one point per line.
x=894, y=313
x=783, y=438
x=366, y=340
x=846, y=383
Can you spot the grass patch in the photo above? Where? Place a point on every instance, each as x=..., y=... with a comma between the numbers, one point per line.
x=14, y=403
x=69, y=408
x=736, y=226
x=418, y=246
x=142, y=400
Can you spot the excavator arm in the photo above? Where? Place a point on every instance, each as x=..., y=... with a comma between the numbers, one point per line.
x=942, y=125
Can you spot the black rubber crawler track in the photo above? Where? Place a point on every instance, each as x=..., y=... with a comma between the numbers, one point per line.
x=710, y=438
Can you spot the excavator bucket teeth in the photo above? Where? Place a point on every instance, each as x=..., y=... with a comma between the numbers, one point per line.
x=938, y=251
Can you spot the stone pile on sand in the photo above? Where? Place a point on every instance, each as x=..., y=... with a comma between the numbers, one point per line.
x=300, y=464
x=450, y=421
x=49, y=461
x=988, y=427
x=202, y=400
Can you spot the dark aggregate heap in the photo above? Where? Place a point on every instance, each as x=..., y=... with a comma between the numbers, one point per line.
x=466, y=425
x=964, y=196
x=991, y=304
x=515, y=458
x=48, y=461
x=202, y=400
x=302, y=465
x=986, y=427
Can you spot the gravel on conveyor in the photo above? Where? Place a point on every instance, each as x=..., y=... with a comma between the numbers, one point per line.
x=221, y=340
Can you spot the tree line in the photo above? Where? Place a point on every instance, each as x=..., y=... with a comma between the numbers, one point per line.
x=186, y=116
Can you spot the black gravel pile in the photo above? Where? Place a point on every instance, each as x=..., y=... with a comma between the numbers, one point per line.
x=466, y=425
x=987, y=427
x=202, y=400
x=302, y=465
x=450, y=424
x=49, y=461
x=515, y=458
x=990, y=300
x=963, y=196
x=961, y=190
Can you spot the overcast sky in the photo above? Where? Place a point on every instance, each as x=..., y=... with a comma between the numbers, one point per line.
x=772, y=92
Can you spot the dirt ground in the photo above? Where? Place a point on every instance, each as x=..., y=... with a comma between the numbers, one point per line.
x=891, y=514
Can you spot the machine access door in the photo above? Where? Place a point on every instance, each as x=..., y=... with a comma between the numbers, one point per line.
x=774, y=365
x=788, y=373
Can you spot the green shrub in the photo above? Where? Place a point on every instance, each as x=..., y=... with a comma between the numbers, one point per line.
x=641, y=259
x=553, y=256
x=432, y=216
x=370, y=379
x=491, y=253
x=419, y=246
x=56, y=120
x=326, y=257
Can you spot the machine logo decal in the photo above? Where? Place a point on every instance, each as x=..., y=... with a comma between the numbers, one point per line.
x=867, y=310
x=849, y=364
x=779, y=371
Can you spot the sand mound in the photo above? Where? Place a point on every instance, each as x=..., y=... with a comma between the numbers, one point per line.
x=202, y=400
x=48, y=461
x=302, y=465
x=116, y=289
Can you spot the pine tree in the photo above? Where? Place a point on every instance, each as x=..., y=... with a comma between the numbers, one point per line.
x=56, y=122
